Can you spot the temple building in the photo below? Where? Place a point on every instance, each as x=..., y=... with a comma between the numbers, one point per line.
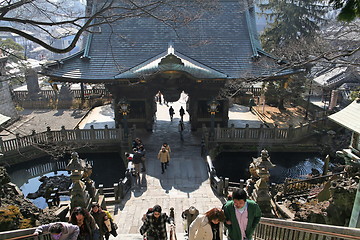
x=147, y=51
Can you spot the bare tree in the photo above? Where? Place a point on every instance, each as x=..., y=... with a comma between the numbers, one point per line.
x=24, y=17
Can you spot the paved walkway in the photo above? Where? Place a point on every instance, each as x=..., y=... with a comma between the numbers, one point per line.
x=185, y=183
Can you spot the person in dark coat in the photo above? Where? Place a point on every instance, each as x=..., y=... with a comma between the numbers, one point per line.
x=171, y=113
x=155, y=224
x=182, y=113
x=101, y=219
x=86, y=223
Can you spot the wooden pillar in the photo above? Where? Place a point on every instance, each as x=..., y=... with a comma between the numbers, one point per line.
x=193, y=110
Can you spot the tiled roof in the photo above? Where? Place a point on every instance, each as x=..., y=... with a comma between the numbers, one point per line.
x=349, y=117
x=224, y=41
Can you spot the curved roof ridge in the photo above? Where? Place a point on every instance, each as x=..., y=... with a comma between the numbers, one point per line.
x=179, y=62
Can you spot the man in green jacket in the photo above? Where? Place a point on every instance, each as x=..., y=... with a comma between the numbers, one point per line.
x=242, y=216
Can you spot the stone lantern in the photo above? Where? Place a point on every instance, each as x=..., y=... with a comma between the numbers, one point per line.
x=261, y=194
x=79, y=196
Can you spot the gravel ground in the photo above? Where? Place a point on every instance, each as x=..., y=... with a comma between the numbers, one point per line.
x=39, y=120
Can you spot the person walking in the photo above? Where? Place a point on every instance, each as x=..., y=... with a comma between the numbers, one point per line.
x=209, y=226
x=137, y=161
x=142, y=152
x=189, y=215
x=171, y=112
x=164, y=158
x=242, y=216
x=59, y=231
x=101, y=220
x=181, y=129
x=86, y=223
x=154, y=225
x=167, y=147
x=182, y=113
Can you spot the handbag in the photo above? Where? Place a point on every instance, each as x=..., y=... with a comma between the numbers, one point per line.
x=114, y=227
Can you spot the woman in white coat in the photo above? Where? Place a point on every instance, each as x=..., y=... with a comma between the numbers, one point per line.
x=209, y=226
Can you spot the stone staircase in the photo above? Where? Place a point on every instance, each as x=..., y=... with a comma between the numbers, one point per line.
x=179, y=236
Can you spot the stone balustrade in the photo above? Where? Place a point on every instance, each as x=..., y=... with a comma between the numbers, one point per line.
x=90, y=136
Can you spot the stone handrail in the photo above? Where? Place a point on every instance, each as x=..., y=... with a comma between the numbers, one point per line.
x=253, y=135
x=75, y=135
x=217, y=184
x=23, y=234
x=270, y=228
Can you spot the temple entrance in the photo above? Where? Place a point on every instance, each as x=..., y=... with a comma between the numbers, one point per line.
x=170, y=75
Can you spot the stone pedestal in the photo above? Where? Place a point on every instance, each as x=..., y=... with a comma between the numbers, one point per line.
x=79, y=196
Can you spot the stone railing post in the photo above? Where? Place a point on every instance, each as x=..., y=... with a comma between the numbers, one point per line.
x=92, y=133
x=290, y=132
x=63, y=133
x=226, y=187
x=116, y=191
x=246, y=135
x=49, y=136
x=18, y=141
x=241, y=183
x=2, y=150
x=232, y=131
x=33, y=136
x=101, y=189
x=261, y=131
x=217, y=132
x=275, y=131
x=220, y=188
x=121, y=189
x=106, y=132
x=78, y=134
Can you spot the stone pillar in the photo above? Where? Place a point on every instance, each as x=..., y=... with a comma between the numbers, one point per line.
x=193, y=110
x=32, y=82
x=334, y=99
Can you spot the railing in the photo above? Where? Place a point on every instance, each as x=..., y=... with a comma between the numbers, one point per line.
x=268, y=229
x=263, y=134
x=276, y=229
x=120, y=189
x=217, y=184
x=51, y=94
x=23, y=234
x=78, y=136
x=297, y=187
